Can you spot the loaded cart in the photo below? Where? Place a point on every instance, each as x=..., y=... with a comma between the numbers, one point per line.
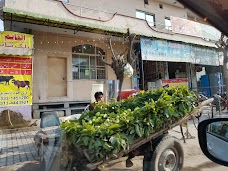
x=161, y=152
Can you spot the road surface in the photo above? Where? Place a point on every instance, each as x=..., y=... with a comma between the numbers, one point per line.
x=194, y=159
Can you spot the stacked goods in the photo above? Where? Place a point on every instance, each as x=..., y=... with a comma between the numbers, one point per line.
x=115, y=126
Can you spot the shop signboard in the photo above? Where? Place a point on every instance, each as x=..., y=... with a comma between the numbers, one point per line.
x=209, y=32
x=192, y=28
x=16, y=40
x=205, y=56
x=161, y=50
x=15, y=80
x=175, y=82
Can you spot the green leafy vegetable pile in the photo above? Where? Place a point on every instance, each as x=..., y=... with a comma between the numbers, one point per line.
x=113, y=127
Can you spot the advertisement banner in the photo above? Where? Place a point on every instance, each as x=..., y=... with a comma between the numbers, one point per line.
x=15, y=80
x=187, y=27
x=192, y=28
x=16, y=40
x=161, y=50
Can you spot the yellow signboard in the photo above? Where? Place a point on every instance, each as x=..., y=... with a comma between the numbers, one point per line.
x=16, y=40
x=15, y=80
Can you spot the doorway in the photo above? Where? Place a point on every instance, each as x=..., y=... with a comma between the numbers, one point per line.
x=57, y=77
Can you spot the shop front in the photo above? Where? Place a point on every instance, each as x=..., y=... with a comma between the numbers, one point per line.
x=208, y=70
x=176, y=62
x=168, y=59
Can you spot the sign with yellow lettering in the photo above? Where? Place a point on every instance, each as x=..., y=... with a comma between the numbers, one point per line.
x=16, y=40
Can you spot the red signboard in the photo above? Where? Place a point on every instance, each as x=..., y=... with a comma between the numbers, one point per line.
x=15, y=80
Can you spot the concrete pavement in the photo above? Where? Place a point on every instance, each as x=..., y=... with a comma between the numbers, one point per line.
x=17, y=146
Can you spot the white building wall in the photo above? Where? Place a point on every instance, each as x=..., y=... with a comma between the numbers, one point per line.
x=119, y=16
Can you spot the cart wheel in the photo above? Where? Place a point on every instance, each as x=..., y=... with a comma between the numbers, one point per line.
x=149, y=152
x=167, y=156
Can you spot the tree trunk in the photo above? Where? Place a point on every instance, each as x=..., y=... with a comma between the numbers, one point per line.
x=225, y=71
x=120, y=88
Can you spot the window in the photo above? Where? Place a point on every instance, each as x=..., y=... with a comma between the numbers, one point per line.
x=86, y=63
x=146, y=2
x=168, y=24
x=150, y=18
x=161, y=6
x=65, y=1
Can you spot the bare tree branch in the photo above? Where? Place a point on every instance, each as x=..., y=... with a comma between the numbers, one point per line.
x=131, y=41
x=110, y=44
x=101, y=57
x=132, y=37
x=134, y=58
x=124, y=52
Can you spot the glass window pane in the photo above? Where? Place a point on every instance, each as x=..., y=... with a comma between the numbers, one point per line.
x=84, y=60
x=89, y=49
x=75, y=59
x=84, y=73
x=75, y=75
x=75, y=68
x=99, y=61
x=77, y=49
x=140, y=15
x=65, y=1
x=93, y=73
x=100, y=73
x=168, y=25
x=92, y=60
x=150, y=19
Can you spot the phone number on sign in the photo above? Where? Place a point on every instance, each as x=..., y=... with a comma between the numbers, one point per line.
x=13, y=103
x=15, y=98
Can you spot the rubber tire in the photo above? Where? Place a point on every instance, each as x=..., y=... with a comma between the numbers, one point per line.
x=167, y=142
x=149, y=152
x=146, y=160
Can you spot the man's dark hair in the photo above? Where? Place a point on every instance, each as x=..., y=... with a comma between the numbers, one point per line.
x=159, y=76
x=97, y=94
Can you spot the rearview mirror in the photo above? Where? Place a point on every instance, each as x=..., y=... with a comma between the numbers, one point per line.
x=213, y=139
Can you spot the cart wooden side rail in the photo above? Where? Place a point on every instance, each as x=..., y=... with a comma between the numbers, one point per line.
x=142, y=141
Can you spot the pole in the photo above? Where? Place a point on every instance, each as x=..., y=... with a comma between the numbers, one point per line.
x=225, y=70
x=190, y=75
x=142, y=70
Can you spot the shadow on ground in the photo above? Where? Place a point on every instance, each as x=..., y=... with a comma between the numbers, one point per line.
x=206, y=165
